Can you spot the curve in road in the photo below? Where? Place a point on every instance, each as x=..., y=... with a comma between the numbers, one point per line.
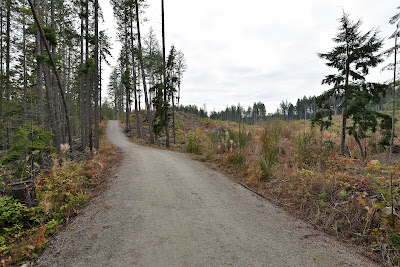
x=164, y=209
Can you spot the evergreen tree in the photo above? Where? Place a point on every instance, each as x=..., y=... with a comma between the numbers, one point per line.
x=353, y=56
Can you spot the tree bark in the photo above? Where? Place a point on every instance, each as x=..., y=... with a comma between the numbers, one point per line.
x=344, y=119
x=127, y=89
x=362, y=151
x=88, y=111
x=173, y=117
x=57, y=110
x=96, y=76
x=165, y=75
x=1, y=69
x=7, y=83
x=100, y=87
x=393, y=100
x=138, y=130
x=148, y=113
x=39, y=78
x=82, y=86
x=25, y=74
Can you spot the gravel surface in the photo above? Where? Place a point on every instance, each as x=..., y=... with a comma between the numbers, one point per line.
x=164, y=209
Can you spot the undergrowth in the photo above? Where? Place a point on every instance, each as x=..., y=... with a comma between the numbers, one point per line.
x=60, y=192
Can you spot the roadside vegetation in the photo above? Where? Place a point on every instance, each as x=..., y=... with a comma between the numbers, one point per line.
x=300, y=168
x=58, y=193
x=336, y=166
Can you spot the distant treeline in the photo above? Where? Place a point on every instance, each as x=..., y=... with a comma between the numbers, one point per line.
x=304, y=109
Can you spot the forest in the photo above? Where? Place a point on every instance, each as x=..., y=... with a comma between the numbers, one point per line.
x=331, y=159
x=52, y=151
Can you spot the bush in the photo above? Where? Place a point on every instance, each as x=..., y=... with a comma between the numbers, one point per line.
x=11, y=211
x=193, y=143
x=14, y=216
x=309, y=152
x=62, y=190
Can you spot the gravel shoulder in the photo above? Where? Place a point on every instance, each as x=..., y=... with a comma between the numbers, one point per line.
x=164, y=209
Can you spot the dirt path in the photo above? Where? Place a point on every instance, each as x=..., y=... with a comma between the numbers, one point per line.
x=164, y=209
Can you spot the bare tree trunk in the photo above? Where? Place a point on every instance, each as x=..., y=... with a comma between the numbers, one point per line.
x=96, y=76
x=138, y=88
x=173, y=117
x=100, y=87
x=1, y=69
x=149, y=116
x=25, y=74
x=88, y=87
x=50, y=106
x=138, y=131
x=39, y=78
x=69, y=95
x=394, y=100
x=7, y=87
x=57, y=111
x=82, y=88
x=127, y=89
x=165, y=76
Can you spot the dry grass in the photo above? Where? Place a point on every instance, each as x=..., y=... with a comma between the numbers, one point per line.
x=299, y=168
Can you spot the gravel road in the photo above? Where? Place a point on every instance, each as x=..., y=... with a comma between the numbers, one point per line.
x=164, y=209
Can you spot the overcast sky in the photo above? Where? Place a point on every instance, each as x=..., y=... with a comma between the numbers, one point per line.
x=254, y=50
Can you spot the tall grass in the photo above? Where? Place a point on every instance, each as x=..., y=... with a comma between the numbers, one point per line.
x=270, y=139
x=238, y=142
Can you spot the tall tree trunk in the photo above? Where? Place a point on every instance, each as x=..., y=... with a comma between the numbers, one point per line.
x=39, y=75
x=7, y=83
x=138, y=130
x=1, y=71
x=149, y=116
x=57, y=122
x=25, y=73
x=165, y=76
x=344, y=119
x=393, y=100
x=69, y=94
x=55, y=72
x=100, y=86
x=96, y=75
x=127, y=89
x=88, y=112
x=173, y=117
x=50, y=105
x=138, y=89
x=82, y=85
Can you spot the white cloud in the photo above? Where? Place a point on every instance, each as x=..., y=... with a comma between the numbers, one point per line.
x=250, y=51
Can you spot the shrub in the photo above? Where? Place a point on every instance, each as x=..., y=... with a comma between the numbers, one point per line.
x=14, y=216
x=193, y=143
x=62, y=190
x=311, y=153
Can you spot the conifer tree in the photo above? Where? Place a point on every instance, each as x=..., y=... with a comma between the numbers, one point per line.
x=353, y=56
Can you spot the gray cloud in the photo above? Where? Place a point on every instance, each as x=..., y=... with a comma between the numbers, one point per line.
x=259, y=50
